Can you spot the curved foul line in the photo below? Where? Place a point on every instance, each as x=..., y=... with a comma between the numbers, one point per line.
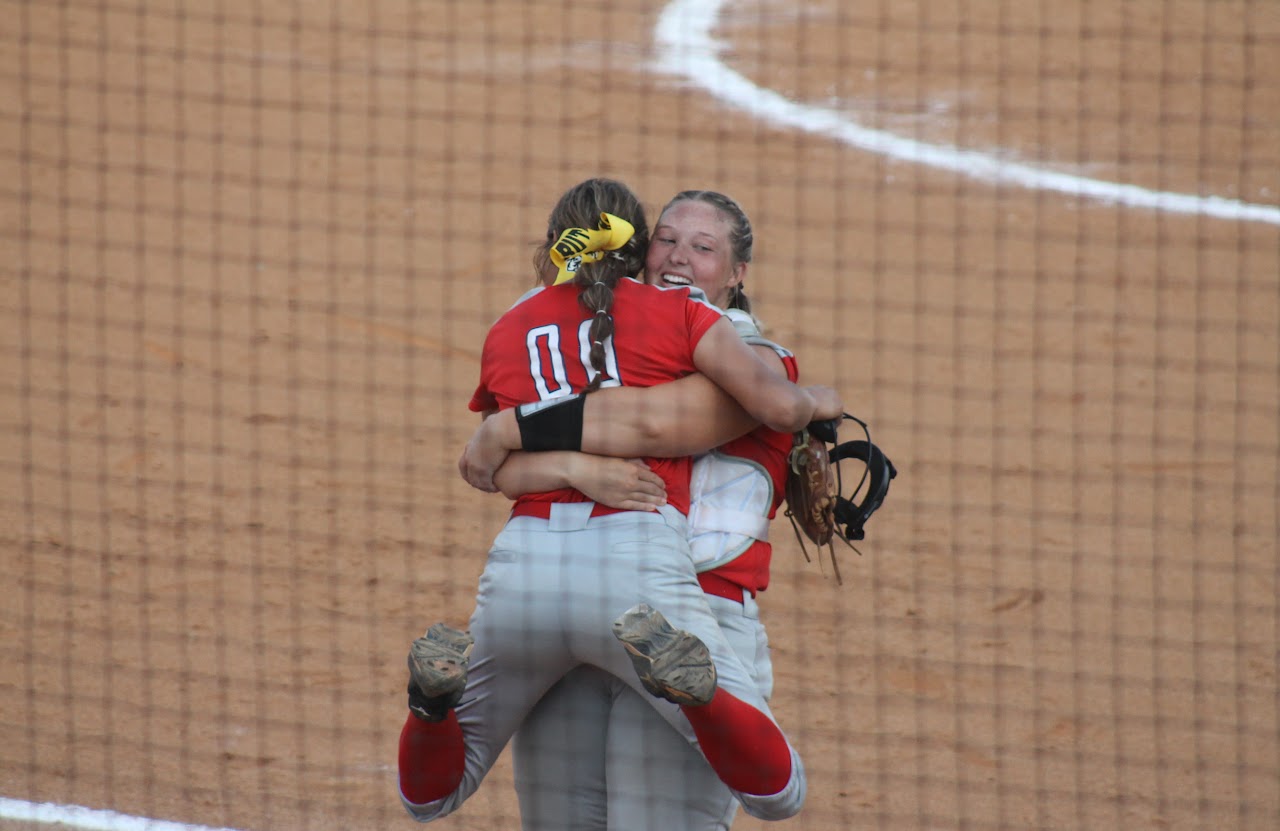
x=687, y=49
x=90, y=819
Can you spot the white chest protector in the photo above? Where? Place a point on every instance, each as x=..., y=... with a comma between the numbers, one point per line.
x=729, y=510
x=730, y=496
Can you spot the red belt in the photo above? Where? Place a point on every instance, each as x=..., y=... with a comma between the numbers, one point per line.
x=542, y=510
x=721, y=587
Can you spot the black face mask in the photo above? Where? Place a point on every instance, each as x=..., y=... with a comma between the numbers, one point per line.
x=880, y=471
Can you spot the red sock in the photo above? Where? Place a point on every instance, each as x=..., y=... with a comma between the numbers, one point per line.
x=432, y=758
x=745, y=748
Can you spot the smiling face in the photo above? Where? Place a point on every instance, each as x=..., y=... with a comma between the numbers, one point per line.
x=691, y=247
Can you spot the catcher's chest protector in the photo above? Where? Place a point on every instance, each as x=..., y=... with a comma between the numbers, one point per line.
x=731, y=499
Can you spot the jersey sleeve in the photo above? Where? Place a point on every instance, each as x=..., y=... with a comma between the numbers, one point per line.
x=482, y=400
x=699, y=317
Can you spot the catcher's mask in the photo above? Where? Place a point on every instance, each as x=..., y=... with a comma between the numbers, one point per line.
x=854, y=515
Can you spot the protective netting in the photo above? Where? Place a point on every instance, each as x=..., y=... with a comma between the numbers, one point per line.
x=251, y=250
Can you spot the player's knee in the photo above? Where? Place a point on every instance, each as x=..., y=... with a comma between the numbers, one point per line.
x=424, y=813
x=784, y=804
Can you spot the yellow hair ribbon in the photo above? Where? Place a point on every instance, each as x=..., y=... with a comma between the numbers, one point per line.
x=579, y=245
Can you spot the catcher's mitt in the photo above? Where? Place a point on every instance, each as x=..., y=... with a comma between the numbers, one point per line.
x=813, y=489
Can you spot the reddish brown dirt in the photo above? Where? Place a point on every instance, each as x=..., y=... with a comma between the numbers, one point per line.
x=251, y=251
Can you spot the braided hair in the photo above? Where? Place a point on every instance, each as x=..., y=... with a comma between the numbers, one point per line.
x=580, y=207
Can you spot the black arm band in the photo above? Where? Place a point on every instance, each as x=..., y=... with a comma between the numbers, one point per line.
x=552, y=425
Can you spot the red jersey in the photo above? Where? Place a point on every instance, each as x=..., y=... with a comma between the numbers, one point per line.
x=540, y=350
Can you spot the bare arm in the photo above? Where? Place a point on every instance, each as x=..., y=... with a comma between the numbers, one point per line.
x=523, y=473
x=680, y=418
x=723, y=357
x=619, y=483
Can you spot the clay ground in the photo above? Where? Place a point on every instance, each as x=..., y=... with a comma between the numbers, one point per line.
x=251, y=250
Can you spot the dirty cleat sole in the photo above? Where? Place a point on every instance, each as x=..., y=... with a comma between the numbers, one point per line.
x=438, y=663
x=671, y=663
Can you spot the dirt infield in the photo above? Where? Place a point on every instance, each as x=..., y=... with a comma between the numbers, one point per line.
x=251, y=253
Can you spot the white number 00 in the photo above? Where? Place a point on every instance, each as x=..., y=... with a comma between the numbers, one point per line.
x=545, y=356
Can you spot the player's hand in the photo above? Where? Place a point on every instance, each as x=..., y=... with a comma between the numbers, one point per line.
x=627, y=484
x=826, y=401
x=481, y=458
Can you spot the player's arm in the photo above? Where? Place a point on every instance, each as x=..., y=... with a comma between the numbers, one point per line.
x=653, y=424
x=680, y=418
x=627, y=484
x=786, y=407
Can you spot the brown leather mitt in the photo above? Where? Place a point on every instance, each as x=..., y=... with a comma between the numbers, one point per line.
x=811, y=489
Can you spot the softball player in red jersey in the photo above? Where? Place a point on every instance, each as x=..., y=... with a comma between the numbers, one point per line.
x=563, y=570
x=631, y=771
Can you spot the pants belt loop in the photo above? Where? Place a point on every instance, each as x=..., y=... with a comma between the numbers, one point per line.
x=570, y=516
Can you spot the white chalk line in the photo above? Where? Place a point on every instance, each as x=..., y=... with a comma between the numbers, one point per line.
x=685, y=48
x=92, y=819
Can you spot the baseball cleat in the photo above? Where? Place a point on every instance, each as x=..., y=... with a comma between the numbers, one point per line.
x=438, y=671
x=671, y=663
